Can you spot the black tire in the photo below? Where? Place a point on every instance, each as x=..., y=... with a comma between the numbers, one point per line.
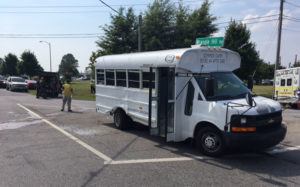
x=121, y=120
x=210, y=142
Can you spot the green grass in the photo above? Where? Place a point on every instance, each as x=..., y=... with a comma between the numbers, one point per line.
x=262, y=90
x=82, y=91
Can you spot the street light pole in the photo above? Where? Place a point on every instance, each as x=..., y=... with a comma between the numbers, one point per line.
x=49, y=44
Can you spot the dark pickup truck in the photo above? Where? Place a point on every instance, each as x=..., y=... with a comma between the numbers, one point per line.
x=48, y=85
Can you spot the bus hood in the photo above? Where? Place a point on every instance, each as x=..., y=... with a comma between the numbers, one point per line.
x=262, y=105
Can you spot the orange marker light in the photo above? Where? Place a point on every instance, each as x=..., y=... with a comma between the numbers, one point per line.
x=177, y=57
x=243, y=129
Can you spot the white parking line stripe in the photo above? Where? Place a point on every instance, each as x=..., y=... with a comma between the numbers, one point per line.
x=284, y=149
x=138, y=161
x=88, y=147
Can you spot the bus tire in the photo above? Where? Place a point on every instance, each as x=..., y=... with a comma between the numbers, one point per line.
x=120, y=119
x=210, y=141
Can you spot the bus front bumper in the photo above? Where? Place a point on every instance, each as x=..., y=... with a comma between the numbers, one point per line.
x=255, y=140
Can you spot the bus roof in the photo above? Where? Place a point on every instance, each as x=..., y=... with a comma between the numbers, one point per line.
x=195, y=60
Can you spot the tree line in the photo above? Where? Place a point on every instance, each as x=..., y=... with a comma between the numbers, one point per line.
x=167, y=26
x=26, y=65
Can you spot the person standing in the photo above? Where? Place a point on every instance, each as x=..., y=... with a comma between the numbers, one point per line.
x=40, y=83
x=92, y=84
x=67, y=96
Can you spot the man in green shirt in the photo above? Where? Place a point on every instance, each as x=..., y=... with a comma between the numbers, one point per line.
x=67, y=95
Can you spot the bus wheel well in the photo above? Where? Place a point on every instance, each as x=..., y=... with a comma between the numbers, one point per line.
x=202, y=125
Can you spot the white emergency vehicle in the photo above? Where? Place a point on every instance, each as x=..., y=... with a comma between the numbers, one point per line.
x=287, y=85
x=187, y=93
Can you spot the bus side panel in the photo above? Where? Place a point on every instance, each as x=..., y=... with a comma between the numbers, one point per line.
x=133, y=101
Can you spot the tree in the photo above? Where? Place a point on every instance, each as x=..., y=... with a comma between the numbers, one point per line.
x=29, y=64
x=200, y=24
x=263, y=71
x=68, y=66
x=121, y=35
x=8, y=67
x=237, y=38
x=158, y=26
x=297, y=64
x=92, y=59
x=181, y=31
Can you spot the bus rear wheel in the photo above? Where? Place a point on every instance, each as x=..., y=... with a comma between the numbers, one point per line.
x=121, y=119
x=210, y=141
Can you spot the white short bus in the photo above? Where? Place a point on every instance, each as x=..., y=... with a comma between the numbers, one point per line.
x=287, y=86
x=187, y=93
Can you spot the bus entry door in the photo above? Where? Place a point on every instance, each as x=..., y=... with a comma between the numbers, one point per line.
x=164, y=98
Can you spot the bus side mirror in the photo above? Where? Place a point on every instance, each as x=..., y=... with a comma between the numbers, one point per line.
x=250, y=82
x=249, y=99
x=209, y=87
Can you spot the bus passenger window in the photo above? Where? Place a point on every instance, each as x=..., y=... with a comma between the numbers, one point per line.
x=188, y=110
x=134, y=79
x=146, y=79
x=110, y=77
x=100, y=76
x=289, y=82
x=121, y=78
x=282, y=83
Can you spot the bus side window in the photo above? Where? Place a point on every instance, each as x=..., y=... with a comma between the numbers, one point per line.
x=121, y=78
x=188, y=110
x=110, y=77
x=289, y=82
x=282, y=83
x=133, y=79
x=100, y=76
x=146, y=79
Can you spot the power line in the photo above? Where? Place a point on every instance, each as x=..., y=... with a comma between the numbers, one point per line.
x=61, y=37
x=248, y=19
x=291, y=30
x=87, y=6
x=109, y=7
x=67, y=34
x=292, y=4
x=55, y=12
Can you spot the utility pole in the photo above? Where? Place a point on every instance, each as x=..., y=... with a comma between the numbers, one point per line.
x=295, y=59
x=140, y=34
x=278, y=44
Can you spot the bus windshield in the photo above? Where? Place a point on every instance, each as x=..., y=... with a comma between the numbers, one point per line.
x=227, y=86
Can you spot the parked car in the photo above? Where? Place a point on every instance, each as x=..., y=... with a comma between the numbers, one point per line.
x=16, y=83
x=31, y=84
x=267, y=82
x=2, y=82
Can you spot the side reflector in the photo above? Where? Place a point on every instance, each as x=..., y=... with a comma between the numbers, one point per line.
x=243, y=129
x=177, y=57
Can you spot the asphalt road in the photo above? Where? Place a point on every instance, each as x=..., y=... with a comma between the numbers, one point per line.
x=42, y=146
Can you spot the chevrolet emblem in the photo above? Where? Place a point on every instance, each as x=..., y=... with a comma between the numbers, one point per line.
x=271, y=121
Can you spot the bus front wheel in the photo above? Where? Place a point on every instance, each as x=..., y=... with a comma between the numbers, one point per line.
x=120, y=119
x=210, y=141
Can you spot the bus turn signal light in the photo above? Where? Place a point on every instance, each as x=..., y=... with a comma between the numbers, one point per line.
x=243, y=129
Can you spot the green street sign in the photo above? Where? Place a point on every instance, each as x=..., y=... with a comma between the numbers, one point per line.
x=211, y=42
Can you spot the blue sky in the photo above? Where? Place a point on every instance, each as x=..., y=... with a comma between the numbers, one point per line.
x=17, y=18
